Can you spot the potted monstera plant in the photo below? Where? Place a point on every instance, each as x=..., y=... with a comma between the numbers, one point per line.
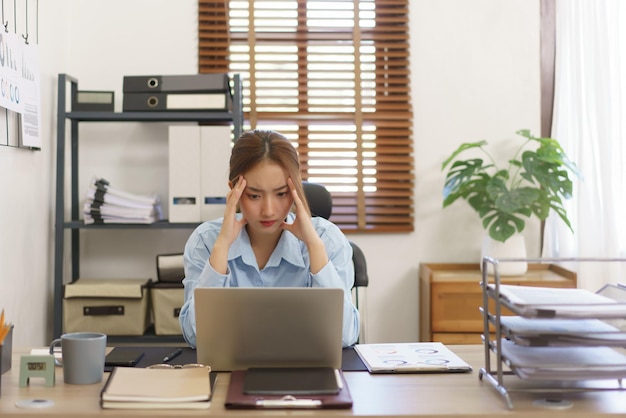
x=534, y=181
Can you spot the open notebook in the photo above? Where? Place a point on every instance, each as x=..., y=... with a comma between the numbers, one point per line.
x=418, y=357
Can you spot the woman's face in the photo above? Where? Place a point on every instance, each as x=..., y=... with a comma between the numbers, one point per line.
x=267, y=200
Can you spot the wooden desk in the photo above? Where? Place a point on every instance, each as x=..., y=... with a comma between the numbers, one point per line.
x=421, y=395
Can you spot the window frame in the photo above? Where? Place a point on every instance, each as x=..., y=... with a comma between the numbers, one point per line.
x=371, y=135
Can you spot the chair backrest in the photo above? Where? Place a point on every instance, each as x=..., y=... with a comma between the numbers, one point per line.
x=361, y=279
x=321, y=204
x=319, y=199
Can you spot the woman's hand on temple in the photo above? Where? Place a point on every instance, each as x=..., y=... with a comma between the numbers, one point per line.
x=232, y=226
x=302, y=227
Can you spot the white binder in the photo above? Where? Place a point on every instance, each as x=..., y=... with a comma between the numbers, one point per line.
x=215, y=149
x=184, y=174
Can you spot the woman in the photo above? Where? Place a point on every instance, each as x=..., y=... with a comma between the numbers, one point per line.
x=267, y=237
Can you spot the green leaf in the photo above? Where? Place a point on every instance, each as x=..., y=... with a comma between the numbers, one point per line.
x=547, y=174
x=502, y=226
x=460, y=149
x=506, y=226
x=480, y=202
x=525, y=132
x=461, y=174
x=517, y=199
x=557, y=206
x=541, y=206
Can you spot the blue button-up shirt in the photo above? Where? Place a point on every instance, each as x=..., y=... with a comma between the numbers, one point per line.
x=288, y=266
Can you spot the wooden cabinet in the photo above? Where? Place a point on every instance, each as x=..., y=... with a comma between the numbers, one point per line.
x=450, y=297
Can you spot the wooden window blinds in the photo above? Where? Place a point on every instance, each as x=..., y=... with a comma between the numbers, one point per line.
x=333, y=76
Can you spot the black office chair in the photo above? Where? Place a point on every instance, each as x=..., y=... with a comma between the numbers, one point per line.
x=321, y=204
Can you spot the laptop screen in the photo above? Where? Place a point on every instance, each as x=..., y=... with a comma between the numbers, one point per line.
x=239, y=328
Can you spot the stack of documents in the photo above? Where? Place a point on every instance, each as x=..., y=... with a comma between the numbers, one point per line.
x=106, y=204
x=545, y=302
x=561, y=332
x=146, y=388
x=564, y=363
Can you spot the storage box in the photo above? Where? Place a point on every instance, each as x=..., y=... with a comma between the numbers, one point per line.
x=167, y=299
x=170, y=268
x=93, y=101
x=110, y=306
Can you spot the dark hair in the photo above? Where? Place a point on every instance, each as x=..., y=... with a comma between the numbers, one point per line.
x=255, y=146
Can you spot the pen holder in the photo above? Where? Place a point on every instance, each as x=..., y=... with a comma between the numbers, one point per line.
x=5, y=355
x=5, y=352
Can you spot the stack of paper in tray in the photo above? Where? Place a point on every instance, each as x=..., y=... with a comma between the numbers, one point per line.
x=106, y=204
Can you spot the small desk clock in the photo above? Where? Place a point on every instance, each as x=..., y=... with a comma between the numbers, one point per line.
x=37, y=366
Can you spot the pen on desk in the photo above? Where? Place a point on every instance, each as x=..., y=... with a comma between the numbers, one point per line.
x=171, y=356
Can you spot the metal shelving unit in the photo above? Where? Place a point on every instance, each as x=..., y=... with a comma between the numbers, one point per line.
x=68, y=122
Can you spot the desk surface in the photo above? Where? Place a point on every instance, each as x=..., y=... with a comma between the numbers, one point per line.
x=421, y=395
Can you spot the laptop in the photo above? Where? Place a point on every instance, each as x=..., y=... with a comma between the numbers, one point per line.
x=242, y=328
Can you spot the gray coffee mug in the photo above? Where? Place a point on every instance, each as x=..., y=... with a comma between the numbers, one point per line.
x=82, y=355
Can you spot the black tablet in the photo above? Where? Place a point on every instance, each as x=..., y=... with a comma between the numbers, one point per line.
x=291, y=381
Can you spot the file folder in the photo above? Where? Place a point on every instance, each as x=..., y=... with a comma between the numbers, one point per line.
x=215, y=149
x=217, y=82
x=184, y=174
x=143, y=102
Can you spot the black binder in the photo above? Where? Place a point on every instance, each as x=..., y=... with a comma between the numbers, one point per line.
x=145, y=102
x=176, y=83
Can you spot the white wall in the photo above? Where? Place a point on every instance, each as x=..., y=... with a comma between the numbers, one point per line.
x=148, y=37
x=475, y=75
x=26, y=193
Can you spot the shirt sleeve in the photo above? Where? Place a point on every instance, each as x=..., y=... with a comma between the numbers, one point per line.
x=339, y=273
x=198, y=273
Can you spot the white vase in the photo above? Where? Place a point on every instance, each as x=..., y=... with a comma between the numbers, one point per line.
x=514, y=247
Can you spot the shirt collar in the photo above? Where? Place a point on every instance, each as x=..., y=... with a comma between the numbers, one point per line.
x=288, y=249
